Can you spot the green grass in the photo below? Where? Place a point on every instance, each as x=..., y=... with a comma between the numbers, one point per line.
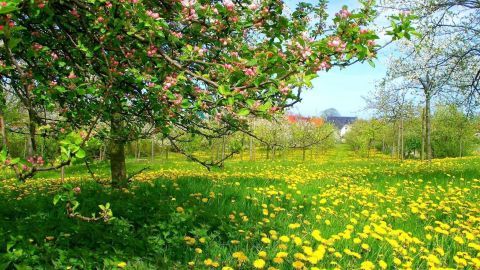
x=150, y=229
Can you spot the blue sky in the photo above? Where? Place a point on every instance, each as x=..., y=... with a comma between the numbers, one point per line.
x=341, y=89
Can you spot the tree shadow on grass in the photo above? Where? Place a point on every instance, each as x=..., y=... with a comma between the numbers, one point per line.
x=151, y=222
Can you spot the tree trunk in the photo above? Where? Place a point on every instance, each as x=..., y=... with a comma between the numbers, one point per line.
x=31, y=130
x=118, y=168
x=428, y=128
x=422, y=153
x=304, y=152
x=402, y=143
x=251, y=148
x=398, y=142
x=3, y=130
x=223, y=149
x=268, y=151
x=461, y=148
x=152, y=149
x=2, y=120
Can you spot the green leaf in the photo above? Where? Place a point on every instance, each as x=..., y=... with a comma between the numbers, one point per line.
x=371, y=63
x=80, y=153
x=15, y=161
x=56, y=199
x=243, y=112
x=3, y=154
x=12, y=43
x=8, y=9
x=224, y=90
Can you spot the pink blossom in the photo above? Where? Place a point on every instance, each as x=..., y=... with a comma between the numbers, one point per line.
x=134, y=1
x=371, y=43
x=37, y=47
x=324, y=65
x=177, y=34
x=178, y=99
x=72, y=75
x=169, y=82
x=364, y=31
x=74, y=12
x=250, y=71
x=40, y=161
x=344, y=13
x=306, y=52
x=274, y=109
x=335, y=42
x=228, y=66
x=253, y=6
x=3, y=4
x=77, y=190
x=152, y=51
x=54, y=56
x=199, y=50
x=229, y=5
x=153, y=15
x=108, y=5
x=188, y=3
x=284, y=89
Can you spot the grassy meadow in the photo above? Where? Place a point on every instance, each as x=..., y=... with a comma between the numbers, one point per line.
x=336, y=211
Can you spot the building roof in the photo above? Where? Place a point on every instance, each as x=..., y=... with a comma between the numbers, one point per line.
x=340, y=121
x=317, y=121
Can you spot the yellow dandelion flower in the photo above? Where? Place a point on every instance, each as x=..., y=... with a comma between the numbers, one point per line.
x=298, y=265
x=367, y=265
x=259, y=263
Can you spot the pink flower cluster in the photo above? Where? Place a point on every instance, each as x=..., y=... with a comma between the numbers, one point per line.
x=152, y=51
x=343, y=13
x=177, y=34
x=229, y=5
x=364, y=31
x=178, y=99
x=37, y=47
x=72, y=75
x=153, y=15
x=250, y=71
x=337, y=44
x=253, y=6
x=188, y=9
x=169, y=82
x=284, y=89
x=199, y=51
x=36, y=160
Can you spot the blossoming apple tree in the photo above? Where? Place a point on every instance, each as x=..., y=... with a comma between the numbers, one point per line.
x=129, y=68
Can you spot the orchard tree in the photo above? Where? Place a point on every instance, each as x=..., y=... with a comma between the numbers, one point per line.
x=455, y=23
x=272, y=134
x=364, y=135
x=111, y=68
x=416, y=70
x=305, y=134
x=393, y=103
x=453, y=134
